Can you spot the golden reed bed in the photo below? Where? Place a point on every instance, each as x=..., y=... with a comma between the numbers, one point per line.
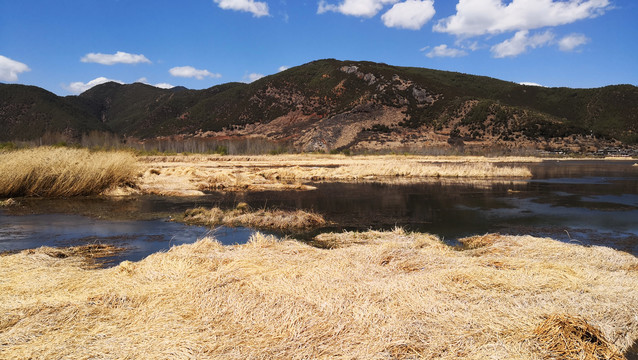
x=60, y=172
x=372, y=295
x=63, y=172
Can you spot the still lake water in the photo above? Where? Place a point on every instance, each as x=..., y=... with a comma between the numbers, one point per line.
x=588, y=202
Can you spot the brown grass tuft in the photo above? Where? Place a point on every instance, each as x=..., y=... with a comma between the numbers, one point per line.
x=242, y=215
x=59, y=172
x=479, y=241
x=572, y=338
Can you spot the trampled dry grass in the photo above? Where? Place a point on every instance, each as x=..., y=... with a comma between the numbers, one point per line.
x=190, y=175
x=59, y=172
x=374, y=295
x=242, y=215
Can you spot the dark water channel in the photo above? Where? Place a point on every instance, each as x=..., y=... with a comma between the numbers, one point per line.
x=588, y=202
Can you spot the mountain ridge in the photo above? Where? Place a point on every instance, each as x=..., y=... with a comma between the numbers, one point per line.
x=329, y=105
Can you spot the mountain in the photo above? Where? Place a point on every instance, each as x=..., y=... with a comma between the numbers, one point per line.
x=27, y=112
x=330, y=104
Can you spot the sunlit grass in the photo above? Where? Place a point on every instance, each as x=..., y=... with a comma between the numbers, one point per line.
x=242, y=215
x=171, y=175
x=372, y=295
x=61, y=172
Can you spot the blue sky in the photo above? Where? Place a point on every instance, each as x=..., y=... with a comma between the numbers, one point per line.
x=66, y=46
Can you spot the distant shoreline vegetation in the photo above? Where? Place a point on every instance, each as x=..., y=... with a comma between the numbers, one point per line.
x=104, y=141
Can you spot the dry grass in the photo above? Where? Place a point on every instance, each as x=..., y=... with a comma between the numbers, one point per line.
x=88, y=256
x=568, y=337
x=191, y=175
x=8, y=202
x=242, y=215
x=386, y=295
x=59, y=172
x=382, y=169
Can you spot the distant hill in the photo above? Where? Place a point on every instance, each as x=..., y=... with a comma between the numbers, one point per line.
x=330, y=104
x=27, y=112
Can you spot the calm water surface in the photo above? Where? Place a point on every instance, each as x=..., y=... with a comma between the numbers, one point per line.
x=588, y=202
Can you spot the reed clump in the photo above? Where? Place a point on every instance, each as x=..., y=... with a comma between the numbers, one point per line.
x=61, y=172
x=386, y=295
x=243, y=215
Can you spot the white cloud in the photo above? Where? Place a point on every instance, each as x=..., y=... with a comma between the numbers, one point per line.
x=9, y=69
x=411, y=14
x=362, y=8
x=191, y=72
x=479, y=17
x=253, y=77
x=520, y=43
x=164, y=86
x=283, y=68
x=79, y=87
x=257, y=8
x=444, y=51
x=572, y=41
x=527, y=83
x=144, y=80
x=117, y=58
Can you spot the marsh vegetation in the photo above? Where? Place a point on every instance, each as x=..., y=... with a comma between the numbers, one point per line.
x=189, y=175
x=347, y=294
x=243, y=215
x=371, y=295
x=61, y=172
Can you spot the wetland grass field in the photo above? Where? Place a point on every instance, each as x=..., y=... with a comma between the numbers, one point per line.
x=347, y=295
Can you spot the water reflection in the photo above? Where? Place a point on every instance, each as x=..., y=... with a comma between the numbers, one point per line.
x=140, y=238
x=587, y=202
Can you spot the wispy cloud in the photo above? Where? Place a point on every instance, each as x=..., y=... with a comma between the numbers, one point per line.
x=520, y=43
x=10, y=69
x=283, y=68
x=257, y=8
x=572, y=42
x=79, y=87
x=444, y=51
x=527, y=83
x=191, y=72
x=360, y=8
x=117, y=58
